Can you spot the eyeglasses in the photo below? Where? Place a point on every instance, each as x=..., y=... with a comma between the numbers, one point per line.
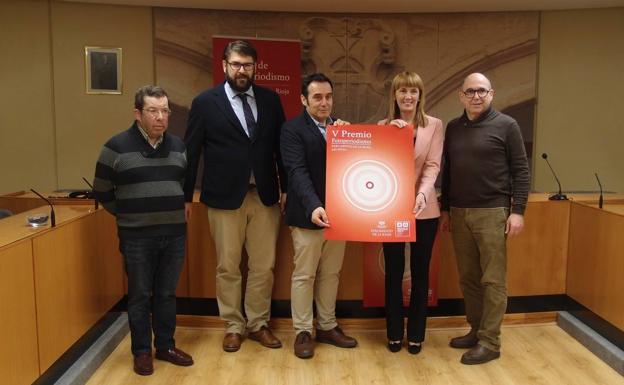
x=236, y=66
x=156, y=112
x=470, y=93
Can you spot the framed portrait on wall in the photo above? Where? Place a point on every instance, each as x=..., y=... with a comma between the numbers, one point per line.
x=103, y=70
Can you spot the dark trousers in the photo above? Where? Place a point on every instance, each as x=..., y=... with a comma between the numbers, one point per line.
x=153, y=266
x=394, y=258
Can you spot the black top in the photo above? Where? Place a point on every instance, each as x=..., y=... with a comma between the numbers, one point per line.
x=229, y=154
x=485, y=163
x=142, y=186
x=303, y=150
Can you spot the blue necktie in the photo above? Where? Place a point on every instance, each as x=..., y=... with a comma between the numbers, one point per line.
x=323, y=130
x=249, y=118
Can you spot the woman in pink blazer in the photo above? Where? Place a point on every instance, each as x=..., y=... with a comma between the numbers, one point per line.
x=407, y=107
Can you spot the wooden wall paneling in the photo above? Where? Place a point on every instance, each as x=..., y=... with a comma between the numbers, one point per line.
x=351, y=276
x=19, y=205
x=448, y=278
x=19, y=359
x=283, y=265
x=200, y=255
x=111, y=281
x=537, y=258
x=596, y=261
x=21, y=201
x=68, y=286
x=201, y=260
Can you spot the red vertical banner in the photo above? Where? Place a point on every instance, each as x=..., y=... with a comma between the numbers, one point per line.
x=278, y=67
x=374, y=275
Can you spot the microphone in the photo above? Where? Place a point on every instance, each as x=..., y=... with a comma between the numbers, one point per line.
x=93, y=192
x=599, y=184
x=559, y=196
x=52, y=216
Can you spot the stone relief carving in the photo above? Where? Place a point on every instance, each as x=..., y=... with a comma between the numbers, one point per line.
x=358, y=55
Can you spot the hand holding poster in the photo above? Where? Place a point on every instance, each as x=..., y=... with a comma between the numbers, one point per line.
x=370, y=183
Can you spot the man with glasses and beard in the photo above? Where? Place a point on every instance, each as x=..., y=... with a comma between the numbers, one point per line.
x=237, y=127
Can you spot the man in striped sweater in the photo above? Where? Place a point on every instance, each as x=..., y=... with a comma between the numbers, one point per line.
x=138, y=178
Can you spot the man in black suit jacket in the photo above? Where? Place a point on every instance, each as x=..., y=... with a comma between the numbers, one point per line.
x=317, y=261
x=237, y=127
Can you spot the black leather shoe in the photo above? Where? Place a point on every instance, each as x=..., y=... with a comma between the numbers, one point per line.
x=414, y=347
x=479, y=355
x=143, y=364
x=175, y=356
x=394, y=346
x=466, y=341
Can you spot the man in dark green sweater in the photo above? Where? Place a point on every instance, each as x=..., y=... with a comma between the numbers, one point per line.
x=485, y=185
x=138, y=178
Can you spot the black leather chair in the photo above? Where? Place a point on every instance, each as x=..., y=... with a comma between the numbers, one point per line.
x=5, y=213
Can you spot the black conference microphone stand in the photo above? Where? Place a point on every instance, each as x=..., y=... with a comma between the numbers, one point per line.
x=559, y=196
x=599, y=184
x=52, y=216
x=92, y=191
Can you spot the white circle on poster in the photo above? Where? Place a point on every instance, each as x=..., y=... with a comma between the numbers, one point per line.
x=369, y=185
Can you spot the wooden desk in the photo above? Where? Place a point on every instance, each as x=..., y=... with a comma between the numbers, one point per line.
x=595, y=268
x=19, y=363
x=21, y=201
x=15, y=227
x=62, y=280
x=579, y=197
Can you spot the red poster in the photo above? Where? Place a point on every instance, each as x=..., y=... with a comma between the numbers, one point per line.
x=374, y=271
x=370, y=183
x=278, y=67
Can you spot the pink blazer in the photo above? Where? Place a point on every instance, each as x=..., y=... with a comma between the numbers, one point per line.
x=427, y=155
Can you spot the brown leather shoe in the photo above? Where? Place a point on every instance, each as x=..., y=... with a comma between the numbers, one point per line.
x=266, y=338
x=232, y=342
x=466, y=341
x=335, y=337
x=175, y=356
x=143, y=364
x=304, y=346
x=479, y=355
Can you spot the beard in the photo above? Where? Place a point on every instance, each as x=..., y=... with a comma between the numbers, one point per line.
x=240, y=82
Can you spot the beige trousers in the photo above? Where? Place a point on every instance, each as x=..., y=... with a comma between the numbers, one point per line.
x=256, y=227
x=315, y=278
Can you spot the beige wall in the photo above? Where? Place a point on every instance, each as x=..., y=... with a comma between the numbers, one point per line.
x=84, y=122
x=581, y=99
x=27, y=140
x=51, y=131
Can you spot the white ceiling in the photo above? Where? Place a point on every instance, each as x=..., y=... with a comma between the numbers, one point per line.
x=372, y=6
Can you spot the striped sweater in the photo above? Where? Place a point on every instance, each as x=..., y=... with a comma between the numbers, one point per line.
x=142, y=186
